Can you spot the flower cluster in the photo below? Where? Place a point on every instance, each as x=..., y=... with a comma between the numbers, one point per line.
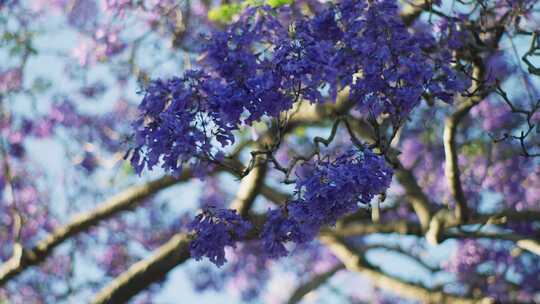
x=242, y=57
x=474, y=258
x=261, y=65
x=278, y=230
x=392, y=68
x=179, y=119
x=214, y=229
x=327, y=191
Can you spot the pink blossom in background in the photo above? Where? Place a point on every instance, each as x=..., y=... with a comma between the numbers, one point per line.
x=104, y=44
x=82, y=53
x=50, y=6
x=116, y=8
x=10, y=80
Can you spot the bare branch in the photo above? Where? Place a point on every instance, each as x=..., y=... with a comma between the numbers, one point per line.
x=404, y=252
x=413, y=11
x=355, y=262
x=176, y=251
x=142, y=274
x=368, y=227
x=249, y=187
x=451, y=167
x=154, y=268
x=122, y=201
x=416, y=196
x=313, y=284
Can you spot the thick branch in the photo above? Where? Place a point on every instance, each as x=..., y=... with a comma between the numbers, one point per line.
x=313, y=284
x=367, y=227
x=154, y=268
x=451, y=166
x=142, y=274
x=124, y=200
x=413, y=11
x=176, y=251
x=505, y=216
x=416, y=196
x=249, y=187
x=440, y=224
x=444, y=219
x=529, y=244
x=274, y=195
x=355, y=262
x=404, y=252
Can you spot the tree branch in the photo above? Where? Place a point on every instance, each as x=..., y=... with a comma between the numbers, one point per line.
x=404, y=252
x=413, y=11
x=313, y=284
x=439, y=226
x=451, y=166
x=141, y=275
x=155, y=267
x=249, y=187
x=417, y=197
x=176, y=251
x=145, y=272
x=122, y=201
x=355, y=262
x=526, y=243
x=368, y=227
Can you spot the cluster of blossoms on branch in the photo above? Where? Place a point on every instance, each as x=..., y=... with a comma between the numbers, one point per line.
x=261, y=65
x=258, y=68
x=326, y=191
x=215, y=229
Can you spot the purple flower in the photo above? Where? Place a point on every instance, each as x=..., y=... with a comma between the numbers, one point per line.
x=214, y=229
x=82, y=13
x=277, y=230
x=331, y=189
x=258, y=67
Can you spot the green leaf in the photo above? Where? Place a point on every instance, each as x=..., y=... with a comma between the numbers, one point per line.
x=278, y=3
x=127, y=169
x=224, y=13
x=300, y=131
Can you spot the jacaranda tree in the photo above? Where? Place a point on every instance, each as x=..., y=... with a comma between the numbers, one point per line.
x=355, y=151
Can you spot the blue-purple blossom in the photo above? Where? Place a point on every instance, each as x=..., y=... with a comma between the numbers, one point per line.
x=178, y=123
x=260, y=66
x=334, y=188
x=329, y=190
x=389, y=68
x=279, y=229
x=214, y=229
